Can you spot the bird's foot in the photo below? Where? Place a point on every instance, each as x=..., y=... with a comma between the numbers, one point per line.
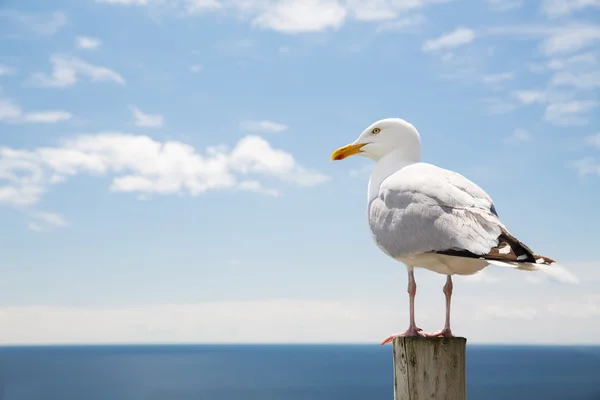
x=411, y=331
x=446, y=332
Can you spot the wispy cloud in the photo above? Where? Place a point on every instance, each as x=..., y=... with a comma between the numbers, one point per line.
x=531, y=96
x=145, y=166
x=6, y=70
x=593, y=140
x=458, y=37
x=199, y=6
x=558, y=8
x=295, y=17
x=569, y=92
x=555, y=40
x=67, y=70
x=126, y=2
x=498, y=78
x=580, y=80
x=13, y=114
x=402, y=24
x=42, y=221
x=569, y=112
x=292, y=16
x=87, y=43
x=520, y=136
x=42, y=24
x=503, y=312
x=263, y=126
x=587, y=166
x=343, y=321
x=588, y=59
x=481, y=277
x=146, y=120
x=196, y=68
x=504, y=5
x=498, y=106
x=571, y=38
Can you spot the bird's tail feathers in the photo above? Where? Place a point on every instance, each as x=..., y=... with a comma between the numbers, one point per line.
x=551, y=268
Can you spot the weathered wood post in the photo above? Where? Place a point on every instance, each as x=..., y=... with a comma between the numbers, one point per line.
x=430, y=368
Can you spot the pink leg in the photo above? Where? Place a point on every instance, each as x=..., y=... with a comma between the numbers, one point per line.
x=446, y=332
x=412, y=328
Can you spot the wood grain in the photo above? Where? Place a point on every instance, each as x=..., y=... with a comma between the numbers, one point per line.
x=429, y=368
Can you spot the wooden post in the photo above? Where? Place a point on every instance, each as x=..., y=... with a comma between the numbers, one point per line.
x=429, y=368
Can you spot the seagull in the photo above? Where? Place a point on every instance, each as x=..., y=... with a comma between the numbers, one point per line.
x=428, y=217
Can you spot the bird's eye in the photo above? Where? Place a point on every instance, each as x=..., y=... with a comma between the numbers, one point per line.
x=375, y=131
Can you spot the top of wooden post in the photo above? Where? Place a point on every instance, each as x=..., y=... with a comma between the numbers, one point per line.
x=429, y=368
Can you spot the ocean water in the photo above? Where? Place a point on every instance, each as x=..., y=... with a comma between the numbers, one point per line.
x=281, y=372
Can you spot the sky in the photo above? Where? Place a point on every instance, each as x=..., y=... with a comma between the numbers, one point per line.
x=165, y=172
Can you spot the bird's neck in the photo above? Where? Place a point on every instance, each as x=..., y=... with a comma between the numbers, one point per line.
x=385, y=167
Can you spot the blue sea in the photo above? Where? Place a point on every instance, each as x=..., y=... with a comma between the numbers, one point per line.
x=281, y=372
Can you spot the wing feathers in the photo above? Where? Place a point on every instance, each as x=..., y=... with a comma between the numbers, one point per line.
x=509, y=248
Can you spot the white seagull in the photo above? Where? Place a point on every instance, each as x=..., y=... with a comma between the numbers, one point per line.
x=428, y=217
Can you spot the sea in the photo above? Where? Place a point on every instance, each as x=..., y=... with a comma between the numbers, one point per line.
x=281, y=372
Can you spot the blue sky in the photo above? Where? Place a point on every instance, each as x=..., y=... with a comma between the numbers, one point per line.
x=165, y=173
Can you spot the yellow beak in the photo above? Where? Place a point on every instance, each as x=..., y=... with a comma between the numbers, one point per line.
x=346, y=151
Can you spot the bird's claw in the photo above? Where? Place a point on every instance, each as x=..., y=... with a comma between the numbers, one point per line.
x=411, y=331
x=446, y=332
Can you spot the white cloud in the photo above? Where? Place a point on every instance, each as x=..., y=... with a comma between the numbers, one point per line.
x=44, y=220
x=531, y=96
x=520, y=136
x=66, y=71
x=199, y=6
x=457, y=37
x=292, y=16
x=481, y=277
x=6, y=70
x=196, y=68
x=126, y=2
x=47, y=117
x=587, y=166
x=570, y=38
x=498, y=78
x=146, y=120
x=555, y=40
x=569, y=112
x=263, y=126
x=87, y=43
x=257, y=187
x=556, y=8
x=588, y=308
x=504, y=5
x=51, y=218
x=385, y=10
x=142, y=165
x=503, y=312
x=561, y=108
x=283, y=320
x=402, y=24
x=580, y=80
x=42, y=24
x=588, y=59
x=372, y=10
x=498, y=106
x=264, y=321
x=12, y=113
x=34, y=227
x=593, y=140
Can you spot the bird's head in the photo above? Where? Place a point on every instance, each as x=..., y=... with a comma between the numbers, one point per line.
x=381, y=138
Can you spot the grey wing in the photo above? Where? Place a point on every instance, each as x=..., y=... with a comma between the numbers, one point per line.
x=423, y=208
